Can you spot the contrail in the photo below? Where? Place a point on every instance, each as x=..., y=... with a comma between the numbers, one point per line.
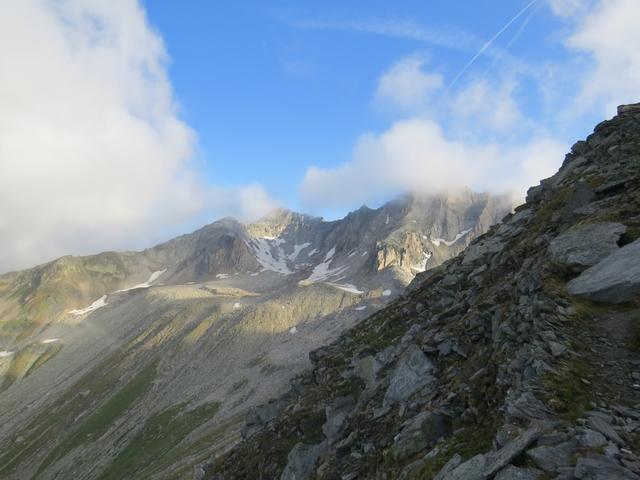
x=490, y=42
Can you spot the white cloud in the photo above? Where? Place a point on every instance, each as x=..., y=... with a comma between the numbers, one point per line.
x=608, y=34
x=567, y=8
x=406, y=85
x=247, y=203
x=415, y=155
x=93, y=154
x=477, y=134
x=484, y=104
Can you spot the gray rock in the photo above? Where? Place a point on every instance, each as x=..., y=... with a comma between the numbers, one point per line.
x=259, y=416
x=616, y=279
x=498, y=460
x=535, y=194
x=557, y=348
x=367, y=369
x=526, y=407
x=591, y=439
x=514, y=473
x=487, y=247
x=587, y=245
x=551, y=458
x=301, y=461
x=599, y=467
x=605, y=428
x=336, y=414
x=414, y=371
x=448, y=467
x=472, y=469
x=418, y=433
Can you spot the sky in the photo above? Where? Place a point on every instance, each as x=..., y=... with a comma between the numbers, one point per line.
x=127, y=122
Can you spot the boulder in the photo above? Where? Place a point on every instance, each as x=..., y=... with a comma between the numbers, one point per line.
x=605, y=428
x=592, y=439
x=599, y=467
x=418, y=433
x=301, y=461
x=498, y=460
x=414, y=371
x=552, y=458
x=616, y=279
x=336, y=413
x=448, y=467
x=366, y=369
x=472, y=469
x=585, y=246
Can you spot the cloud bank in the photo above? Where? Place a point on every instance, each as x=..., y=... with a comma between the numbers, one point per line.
x=479, y=134
x=93, y=153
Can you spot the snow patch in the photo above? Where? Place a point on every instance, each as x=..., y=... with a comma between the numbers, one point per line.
x=293, y=330
x=263, y=250
x=236, y=305
x=347, y=287
x=386, y=293
x=297, y=249
x=222, y=276
x=152, y=278
x=363, y=254
x=359, y=309
x=5, y=353
x=49, y=340
x=322, y=270
x=352, y=254
x=438, y=241
x=101, y=302
x=312, y=252
x=422, y=266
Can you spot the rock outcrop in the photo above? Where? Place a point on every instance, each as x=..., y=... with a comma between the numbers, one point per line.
x=497, y=364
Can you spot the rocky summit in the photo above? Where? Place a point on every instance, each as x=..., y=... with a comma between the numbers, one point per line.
x=145, y=364
x=517, y=359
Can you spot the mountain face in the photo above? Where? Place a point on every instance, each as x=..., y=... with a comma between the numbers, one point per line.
x=517, y=359
x=143, y=364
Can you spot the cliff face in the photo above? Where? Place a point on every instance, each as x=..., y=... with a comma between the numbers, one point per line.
x=517, y=359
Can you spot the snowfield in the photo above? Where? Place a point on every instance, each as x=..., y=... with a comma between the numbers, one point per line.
x=438, y=241
x=152, y=278
x=323, y=272
x=101, y=302
x=263, y=249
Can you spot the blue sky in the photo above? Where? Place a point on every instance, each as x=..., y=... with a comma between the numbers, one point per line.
x=128, y=122
x=269, y=95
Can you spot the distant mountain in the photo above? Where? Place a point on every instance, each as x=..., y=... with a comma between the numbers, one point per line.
x=517, y=359
x=142, y=364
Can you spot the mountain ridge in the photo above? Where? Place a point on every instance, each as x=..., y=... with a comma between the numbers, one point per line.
x=197, y=329
x=517, y=359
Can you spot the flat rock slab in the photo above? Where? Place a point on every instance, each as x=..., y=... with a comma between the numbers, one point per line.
x=514, y=473
x=616, y=279
x=587, y=245
x=414, y=371
x=599, y=467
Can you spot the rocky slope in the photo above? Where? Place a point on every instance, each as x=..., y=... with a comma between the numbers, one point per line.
x=518, y=359
x=142, y=364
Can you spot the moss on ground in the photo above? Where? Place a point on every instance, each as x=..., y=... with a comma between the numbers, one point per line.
x=158, y=438
x=101, y=419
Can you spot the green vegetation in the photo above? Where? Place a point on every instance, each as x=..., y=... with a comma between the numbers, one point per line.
x=99, y=422
x=159, y=436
